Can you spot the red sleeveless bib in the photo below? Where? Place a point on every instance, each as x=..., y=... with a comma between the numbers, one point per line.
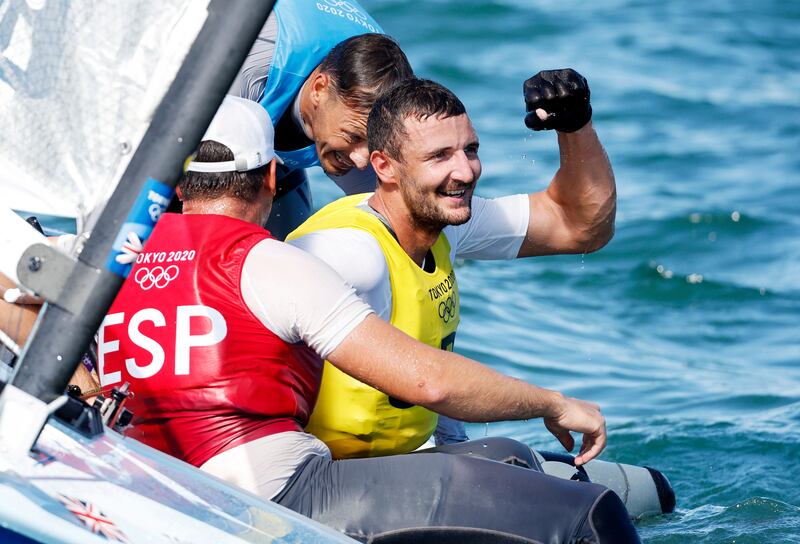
x=206, y=374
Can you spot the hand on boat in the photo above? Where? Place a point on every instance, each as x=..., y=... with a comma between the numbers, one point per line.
x=579, y=416
x=557, y=99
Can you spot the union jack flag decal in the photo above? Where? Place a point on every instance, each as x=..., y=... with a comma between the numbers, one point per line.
x=94, y=519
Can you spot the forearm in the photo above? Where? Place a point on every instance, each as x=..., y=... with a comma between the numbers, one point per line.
x=472, y=392
x=385, y=358
x=585, y=189
x=16, y=320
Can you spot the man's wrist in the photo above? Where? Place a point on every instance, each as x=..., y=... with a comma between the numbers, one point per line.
x=553, y=403
x=583, y=130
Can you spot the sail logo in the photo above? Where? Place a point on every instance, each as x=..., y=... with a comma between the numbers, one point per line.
x=94, y=520
x=158, y=276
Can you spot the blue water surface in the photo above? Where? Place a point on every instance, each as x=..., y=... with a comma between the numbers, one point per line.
x=685, y=327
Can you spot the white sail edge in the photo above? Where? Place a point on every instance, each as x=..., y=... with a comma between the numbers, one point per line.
x=81, y=92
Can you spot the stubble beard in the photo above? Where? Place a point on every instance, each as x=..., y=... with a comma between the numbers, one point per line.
x=424, y=211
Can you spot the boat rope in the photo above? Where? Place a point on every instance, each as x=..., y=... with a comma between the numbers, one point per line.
x=9, y=343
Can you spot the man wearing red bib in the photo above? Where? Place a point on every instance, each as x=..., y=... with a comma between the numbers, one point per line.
x=221, y=331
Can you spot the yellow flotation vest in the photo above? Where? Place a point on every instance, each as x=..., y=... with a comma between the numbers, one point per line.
x=352, y=418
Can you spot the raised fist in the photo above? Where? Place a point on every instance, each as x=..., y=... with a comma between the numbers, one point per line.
x=557, y=99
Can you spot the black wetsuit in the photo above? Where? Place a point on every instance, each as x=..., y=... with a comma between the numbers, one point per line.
x=456, y=493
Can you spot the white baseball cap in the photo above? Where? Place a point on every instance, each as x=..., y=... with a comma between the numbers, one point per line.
x=244, y=127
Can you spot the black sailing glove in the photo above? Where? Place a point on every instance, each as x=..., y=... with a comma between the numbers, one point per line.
x=563, y=95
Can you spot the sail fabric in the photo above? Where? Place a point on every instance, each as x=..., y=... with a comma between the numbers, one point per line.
x=79, y=83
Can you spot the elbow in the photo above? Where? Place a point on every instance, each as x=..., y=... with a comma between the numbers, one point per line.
x=431, y=393
x=426, y=391
x=600, y=237
x=599, y=230
x=433, y=396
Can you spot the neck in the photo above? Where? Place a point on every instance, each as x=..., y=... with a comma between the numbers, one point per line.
x=416, y=240
x=251, y=212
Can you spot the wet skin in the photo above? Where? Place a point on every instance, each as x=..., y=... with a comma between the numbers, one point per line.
x=438, y=170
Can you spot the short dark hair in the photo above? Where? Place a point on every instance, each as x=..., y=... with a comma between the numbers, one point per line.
x=210, y=185
x=365, y=66
x=417, y=98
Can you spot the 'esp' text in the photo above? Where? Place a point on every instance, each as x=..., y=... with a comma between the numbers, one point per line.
x=184, y=340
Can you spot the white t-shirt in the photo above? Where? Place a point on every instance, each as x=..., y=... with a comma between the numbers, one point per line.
x=300, y=299
x=495, y=231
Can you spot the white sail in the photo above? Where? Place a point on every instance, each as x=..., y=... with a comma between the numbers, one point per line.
x=79, y=82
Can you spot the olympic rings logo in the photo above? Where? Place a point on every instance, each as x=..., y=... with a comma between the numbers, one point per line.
x=447, y=309
x=347, y=7
x=158, y=276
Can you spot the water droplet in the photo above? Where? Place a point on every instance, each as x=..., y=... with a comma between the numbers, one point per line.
x=695, y=217
x=712, y=236
x=486, y=430
x=58, y=357
x=762, y=291
x=735, y=216
x=664, y=271
x=694, y=278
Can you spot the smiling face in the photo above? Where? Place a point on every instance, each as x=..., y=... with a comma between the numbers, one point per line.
x=438, y=169
x=339, y=133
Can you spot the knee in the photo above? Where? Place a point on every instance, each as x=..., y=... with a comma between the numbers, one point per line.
x=507, y=450
x=608, y=522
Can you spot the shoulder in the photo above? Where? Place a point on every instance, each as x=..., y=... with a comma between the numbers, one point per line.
x=495, y=229
x=298, y=296
x=273, y=257
x=354, y=254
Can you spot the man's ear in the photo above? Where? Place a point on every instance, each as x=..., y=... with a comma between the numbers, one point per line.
x=320, y=87
x=384, y=166
x=179, y=192
x=270, y=177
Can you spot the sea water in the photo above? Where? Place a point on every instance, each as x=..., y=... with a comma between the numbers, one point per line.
x=685, y=327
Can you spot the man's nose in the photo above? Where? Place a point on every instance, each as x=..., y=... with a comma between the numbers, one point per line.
x=462, y=168
x=359, y=155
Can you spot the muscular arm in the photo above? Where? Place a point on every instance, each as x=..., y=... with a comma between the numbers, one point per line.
x=575, y=214
x=380, y=355
x=329, y=317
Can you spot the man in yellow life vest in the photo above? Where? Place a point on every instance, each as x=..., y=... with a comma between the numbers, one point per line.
x=396, y=246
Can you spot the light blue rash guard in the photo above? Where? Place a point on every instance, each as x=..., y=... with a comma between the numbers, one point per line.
x=296, y=38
